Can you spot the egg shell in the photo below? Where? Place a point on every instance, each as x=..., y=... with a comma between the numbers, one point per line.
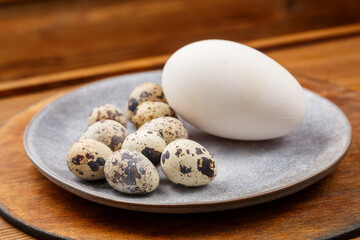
x=148, y=143
x=147, y=91
x=131, y=172
x=106, y=111
x=168, y=127
x=188, y=163
x=234, y=91
x=109, y=132
x=151, y=110
x=86, y=159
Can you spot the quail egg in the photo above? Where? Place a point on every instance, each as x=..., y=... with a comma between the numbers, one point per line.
x=109, y=132
x=86, y=159
x=147, y=91
x=131, y=172
x=188, y=163
x=150, y=110
x=168, y=127
x=149, y=143
x=106, y=111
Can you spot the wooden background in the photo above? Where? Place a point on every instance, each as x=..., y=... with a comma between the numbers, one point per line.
x=39, y=37
x=43, y=37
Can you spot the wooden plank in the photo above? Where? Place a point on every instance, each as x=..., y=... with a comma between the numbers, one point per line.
x=91, y=73
x=79, y=75
x=14, y=104
x=43, y=37
x=305, y=37
x=335, y=61
x=10, y=233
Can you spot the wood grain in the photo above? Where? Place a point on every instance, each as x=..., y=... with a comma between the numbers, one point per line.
x=325, y=209
x=327, y=61
x=9, y=232
x=79, y=75
x=14, y=104
x=92, y=73
x=42, y=37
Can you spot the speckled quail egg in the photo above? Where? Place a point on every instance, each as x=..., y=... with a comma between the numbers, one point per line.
x=188, y=163
x=106, y=111
x=86, y=159
x=151, y=110
x=109, y=132
x=131, y=172
x=147, y=91
x=149, y=143
x=168, y=127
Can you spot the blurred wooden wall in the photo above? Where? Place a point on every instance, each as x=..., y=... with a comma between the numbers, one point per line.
x=39, y=37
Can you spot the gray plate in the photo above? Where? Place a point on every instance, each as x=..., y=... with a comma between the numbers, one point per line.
x=249, y=172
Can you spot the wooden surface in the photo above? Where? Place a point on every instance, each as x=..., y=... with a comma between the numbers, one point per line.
x=40, y=37
x=326, y=209
x=42, y=82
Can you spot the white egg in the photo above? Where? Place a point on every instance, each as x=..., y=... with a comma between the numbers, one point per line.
x=234, y=91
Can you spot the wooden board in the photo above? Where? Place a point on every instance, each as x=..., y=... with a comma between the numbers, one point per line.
x=42, y=37
x=329, y=208
x=9, y=88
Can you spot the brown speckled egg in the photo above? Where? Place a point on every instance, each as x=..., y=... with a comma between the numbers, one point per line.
x=149, y=143
x=109, y=132
x=147, y=91
x=106, y=111
x=131, y=172
x=188, y=163
x=151, y=110
x=86, y=159
x=168, y=127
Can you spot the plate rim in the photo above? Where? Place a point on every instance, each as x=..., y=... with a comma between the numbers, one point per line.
x=208, y=206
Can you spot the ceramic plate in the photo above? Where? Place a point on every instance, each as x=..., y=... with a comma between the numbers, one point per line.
x=249, y=172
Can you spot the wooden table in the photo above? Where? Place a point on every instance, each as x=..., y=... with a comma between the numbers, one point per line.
x=326, y=61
